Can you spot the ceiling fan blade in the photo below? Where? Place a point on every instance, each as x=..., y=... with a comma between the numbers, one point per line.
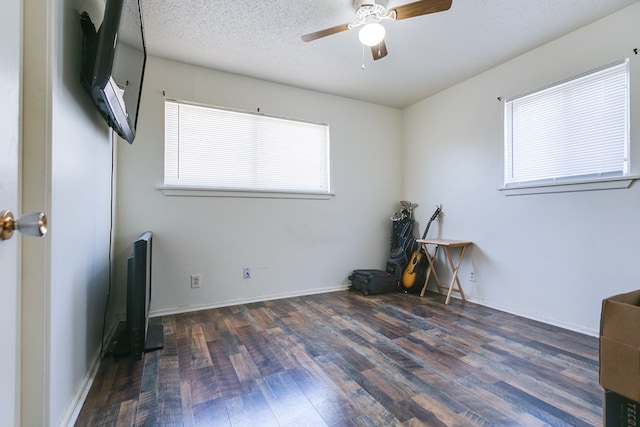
x=379, y=51
x=325, y=32
x=422, y=7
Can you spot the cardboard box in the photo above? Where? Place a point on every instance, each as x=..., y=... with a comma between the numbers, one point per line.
x=620, y=345
x=620, y=411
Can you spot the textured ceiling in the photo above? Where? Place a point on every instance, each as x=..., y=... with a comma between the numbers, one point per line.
x=426, y=54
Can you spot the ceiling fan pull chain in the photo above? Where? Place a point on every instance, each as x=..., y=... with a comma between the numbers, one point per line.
x=363, y=57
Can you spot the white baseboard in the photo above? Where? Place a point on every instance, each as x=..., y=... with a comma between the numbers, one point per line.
x=344, y=286
x=72, y=412
x=548, y=321
x=228, y=303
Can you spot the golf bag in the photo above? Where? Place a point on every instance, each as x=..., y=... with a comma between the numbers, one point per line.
x=401, y=244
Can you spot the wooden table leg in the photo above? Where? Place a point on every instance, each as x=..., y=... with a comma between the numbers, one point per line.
x=454, y=278
x=430, y=269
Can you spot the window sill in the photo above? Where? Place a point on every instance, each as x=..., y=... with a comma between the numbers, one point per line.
x=565, y=187
x=250, y=194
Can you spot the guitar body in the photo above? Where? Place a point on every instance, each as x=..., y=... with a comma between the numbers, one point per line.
x=416, y=261
x=413, y=279
x=409, y=273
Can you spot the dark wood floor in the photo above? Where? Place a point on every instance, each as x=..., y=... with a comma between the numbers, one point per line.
x=341, y=359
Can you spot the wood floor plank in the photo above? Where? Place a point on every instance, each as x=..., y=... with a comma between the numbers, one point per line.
x=211, y=413
x=288, y=403
x=250, y=409
x=342, y=359
x=534, y=386
x=204, y=385
x=284, y=344
x=243, y=364
x=168, y=394
x=187, y=403
x=101, y=416
x=127, y=413
x=127, y=382
x=198, y=349
x=226, y=379
x=101, y=389
x=332, y=403
x=438, y=357
x=262, y=316
x=378, y=411
x=382, y=381
x=147, y=409
x=476, y=394
x=263, y=355
x=445, y=415
x=537, y=407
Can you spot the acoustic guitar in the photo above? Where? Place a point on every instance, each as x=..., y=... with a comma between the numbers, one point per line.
x=409, y=274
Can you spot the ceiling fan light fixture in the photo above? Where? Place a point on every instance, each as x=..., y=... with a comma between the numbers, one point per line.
x=371, y=34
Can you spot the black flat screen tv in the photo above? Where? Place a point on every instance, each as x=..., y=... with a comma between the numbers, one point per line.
x=113, y=63
x=137, y=336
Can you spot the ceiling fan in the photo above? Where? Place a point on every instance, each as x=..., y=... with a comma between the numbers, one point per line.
x=368, y=16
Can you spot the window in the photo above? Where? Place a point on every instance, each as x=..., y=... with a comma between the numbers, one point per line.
x=573, y=131
x=220, y=149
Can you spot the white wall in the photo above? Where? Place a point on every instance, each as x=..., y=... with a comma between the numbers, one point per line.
x=292, y=246
x=67, y=173
x=552, y=257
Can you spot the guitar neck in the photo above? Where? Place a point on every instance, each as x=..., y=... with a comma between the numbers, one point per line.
x=426, y=230
x=434, y=216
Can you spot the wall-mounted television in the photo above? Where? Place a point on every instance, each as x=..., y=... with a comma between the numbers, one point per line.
x=136, y=335
x=113, y=63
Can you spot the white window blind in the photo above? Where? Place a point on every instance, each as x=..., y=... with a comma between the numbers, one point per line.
x=576, y=130
x=207, y=147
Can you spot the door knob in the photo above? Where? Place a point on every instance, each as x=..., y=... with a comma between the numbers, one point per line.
x=33, y=224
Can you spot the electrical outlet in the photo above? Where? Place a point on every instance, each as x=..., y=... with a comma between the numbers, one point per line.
x=195, y=281
x=246, y=273
x=472, y=276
